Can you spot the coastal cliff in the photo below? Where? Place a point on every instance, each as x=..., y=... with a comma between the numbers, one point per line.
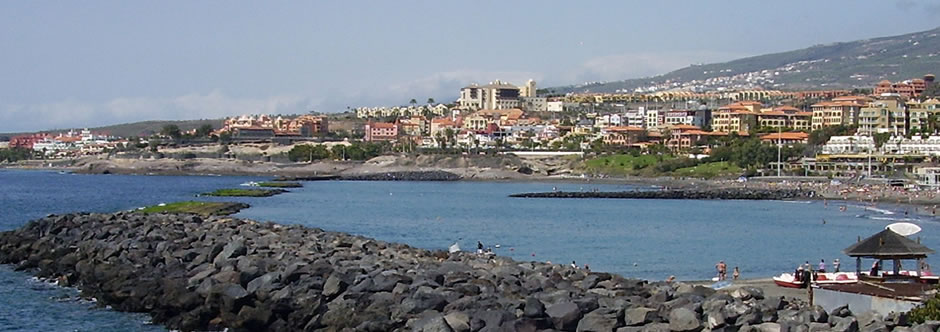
x=195, y=273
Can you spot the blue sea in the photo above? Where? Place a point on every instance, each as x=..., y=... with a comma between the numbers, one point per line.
x=650, y=239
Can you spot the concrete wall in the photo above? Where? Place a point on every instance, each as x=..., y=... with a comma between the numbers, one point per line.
x=859, y=303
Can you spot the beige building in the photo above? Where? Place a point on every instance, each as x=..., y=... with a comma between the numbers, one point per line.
x=737, y=117
x=785, y=117
x=834, y=113
x=919, y=113
x=885, y=115
x=528, y=90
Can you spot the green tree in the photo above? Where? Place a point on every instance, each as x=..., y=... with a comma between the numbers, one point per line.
x=881, y=139
x=15, y=154
x=338, y=151
x=413, y=101
x=171, y=130
x=430, y=101
x=204, y=130
x=306, y=153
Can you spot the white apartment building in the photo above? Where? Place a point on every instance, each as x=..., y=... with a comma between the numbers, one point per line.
x=849, y=145
x=917, y=145
x=555, y=106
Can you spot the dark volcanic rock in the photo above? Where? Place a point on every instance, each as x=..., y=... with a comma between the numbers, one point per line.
x=722, y=193
x=404, y=176
x=221, y=273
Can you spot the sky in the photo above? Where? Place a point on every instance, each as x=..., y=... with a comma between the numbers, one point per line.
x=73, y=64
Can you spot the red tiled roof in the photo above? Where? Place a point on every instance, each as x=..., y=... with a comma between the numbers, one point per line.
x=381, y=125
x=624, y=128
x=795, y=135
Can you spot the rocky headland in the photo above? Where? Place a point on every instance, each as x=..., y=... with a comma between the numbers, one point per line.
x=199, y=273
x=715, y=193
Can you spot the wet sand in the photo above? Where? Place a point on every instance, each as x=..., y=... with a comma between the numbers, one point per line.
x=765, y=284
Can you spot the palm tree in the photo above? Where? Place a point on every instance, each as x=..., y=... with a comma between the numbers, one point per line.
x=451, y=136
x=413, y=102
x=430, y=101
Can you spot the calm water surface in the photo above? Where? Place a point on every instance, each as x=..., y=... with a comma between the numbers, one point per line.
x=638, y=238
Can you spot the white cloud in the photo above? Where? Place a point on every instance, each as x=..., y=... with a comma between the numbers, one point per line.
x=641, y=64
x=75, y=114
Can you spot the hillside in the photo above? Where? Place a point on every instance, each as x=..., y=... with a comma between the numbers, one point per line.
x=143, y=128
x=844, y=65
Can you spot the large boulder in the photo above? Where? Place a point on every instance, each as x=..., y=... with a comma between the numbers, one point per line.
x=564, y=315
x=600, y=320
x=684, y=320
x=334, y=286
x=458, y=321
x=533, y=308
x=639, y=316
x=431, y=321
x=846, y=324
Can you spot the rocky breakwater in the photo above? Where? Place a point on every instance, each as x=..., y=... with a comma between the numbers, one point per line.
x=726, y=193
x=192, y=273
x=403, y=176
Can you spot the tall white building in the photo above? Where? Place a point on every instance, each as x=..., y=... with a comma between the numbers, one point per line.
x=528, y=90
x=495, y=96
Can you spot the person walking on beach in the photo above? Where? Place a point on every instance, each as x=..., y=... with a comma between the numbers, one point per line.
x=722, y=270
x=736, y=274
x=835, y=265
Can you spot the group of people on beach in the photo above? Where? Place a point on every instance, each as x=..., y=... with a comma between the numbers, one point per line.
x=805, y=271
x=723, y=271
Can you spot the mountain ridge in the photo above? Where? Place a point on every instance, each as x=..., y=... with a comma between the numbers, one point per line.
x=838, y=65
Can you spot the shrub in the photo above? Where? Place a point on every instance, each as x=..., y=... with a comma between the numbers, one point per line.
x=929, y=310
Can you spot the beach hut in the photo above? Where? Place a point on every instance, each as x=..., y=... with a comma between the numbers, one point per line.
x=888, y=245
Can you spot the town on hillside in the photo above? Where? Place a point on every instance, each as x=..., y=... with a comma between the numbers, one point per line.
x=887, y=129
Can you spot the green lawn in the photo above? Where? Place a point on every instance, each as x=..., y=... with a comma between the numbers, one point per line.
x=200, y=208
x=709, y=170
x=280, y=184
x=623, y=164
x=245, y=192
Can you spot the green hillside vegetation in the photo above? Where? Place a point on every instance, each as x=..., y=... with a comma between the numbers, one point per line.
x=622, y=164
x=200, y=208
x=844, y=65
x=660, y=165
x=245, y=192
x=710, y=170
x=143, y=128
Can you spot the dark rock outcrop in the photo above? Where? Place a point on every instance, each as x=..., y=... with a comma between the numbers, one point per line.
x=215, y=273
x=725, y=193
x=404, y=176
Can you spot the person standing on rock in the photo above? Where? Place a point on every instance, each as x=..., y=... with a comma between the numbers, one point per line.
x=736, y=274
x=722, y=270
x=479, y=247
x=835, y=265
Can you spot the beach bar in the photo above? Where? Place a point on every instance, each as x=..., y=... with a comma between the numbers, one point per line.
x=892, y=291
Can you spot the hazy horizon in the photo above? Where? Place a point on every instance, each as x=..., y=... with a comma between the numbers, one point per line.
x=88, y=64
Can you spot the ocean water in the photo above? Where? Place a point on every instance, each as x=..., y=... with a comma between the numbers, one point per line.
x=649, y=239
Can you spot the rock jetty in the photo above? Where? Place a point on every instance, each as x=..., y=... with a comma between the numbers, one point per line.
x=194, y=273
x=727, y=193
x=404, y=176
